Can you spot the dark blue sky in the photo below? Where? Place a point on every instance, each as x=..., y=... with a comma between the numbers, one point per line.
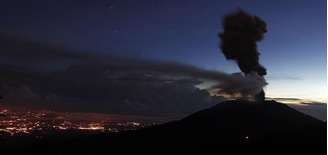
x=294, y=49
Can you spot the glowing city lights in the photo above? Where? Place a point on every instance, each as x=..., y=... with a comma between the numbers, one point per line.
x=22, y=122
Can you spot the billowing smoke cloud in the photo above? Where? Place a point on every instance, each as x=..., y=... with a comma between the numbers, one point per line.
x=238, y=41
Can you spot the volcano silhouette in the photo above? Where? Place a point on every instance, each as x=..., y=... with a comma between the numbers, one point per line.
x=229, y=126
x=236, y=124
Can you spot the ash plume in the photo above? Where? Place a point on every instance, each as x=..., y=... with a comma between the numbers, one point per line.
x=238, y=41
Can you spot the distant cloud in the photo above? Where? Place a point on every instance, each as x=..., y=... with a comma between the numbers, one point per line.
x=283, y=77
x=295, y=101
x=315, y=109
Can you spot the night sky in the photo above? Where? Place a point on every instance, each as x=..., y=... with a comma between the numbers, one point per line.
x=293, y=50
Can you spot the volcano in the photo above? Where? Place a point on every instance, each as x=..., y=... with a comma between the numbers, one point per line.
x=229, y=126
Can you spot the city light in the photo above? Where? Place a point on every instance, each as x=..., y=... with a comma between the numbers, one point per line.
x=15, y=122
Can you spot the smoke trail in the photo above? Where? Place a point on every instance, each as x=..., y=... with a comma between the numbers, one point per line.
x=238, y=41
x=239, y=86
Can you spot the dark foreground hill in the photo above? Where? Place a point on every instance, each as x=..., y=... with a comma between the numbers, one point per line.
x=228, y=126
